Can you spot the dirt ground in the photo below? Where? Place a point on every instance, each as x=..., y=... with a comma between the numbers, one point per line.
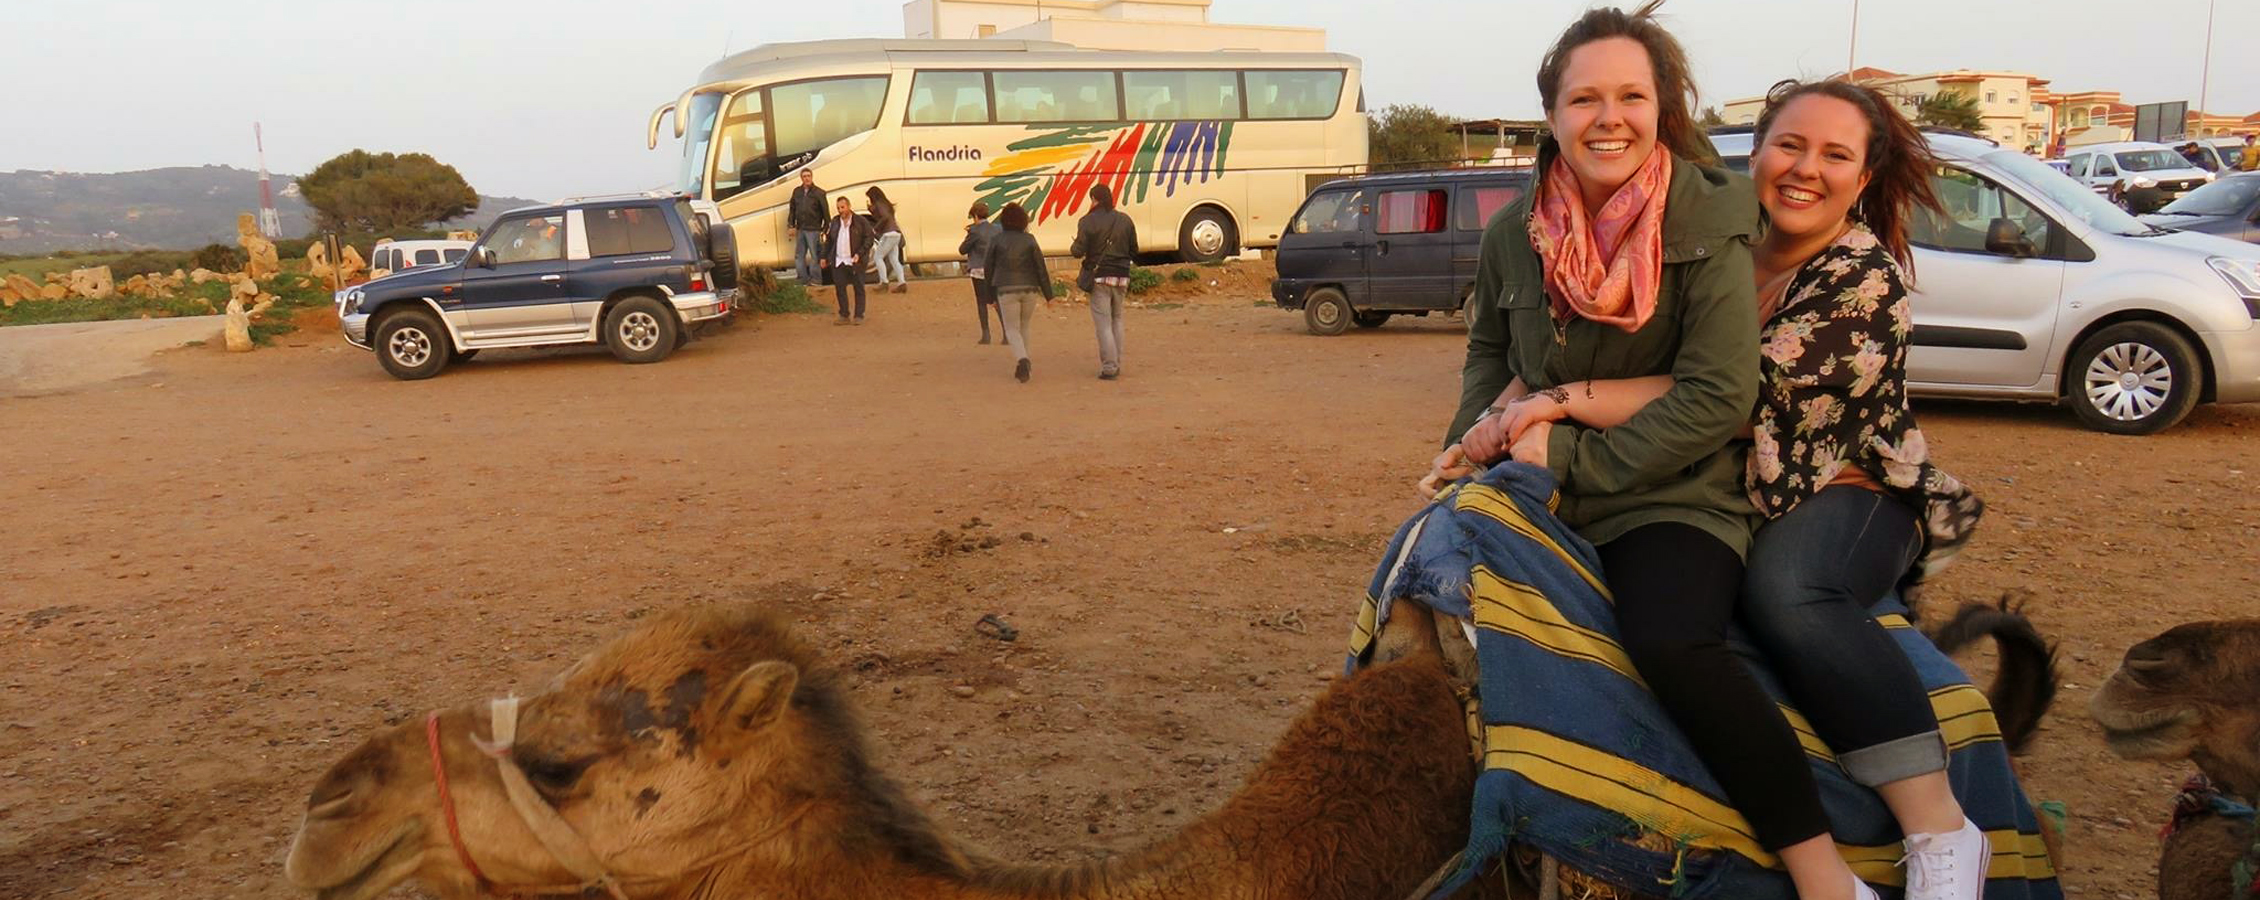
x=226, y=570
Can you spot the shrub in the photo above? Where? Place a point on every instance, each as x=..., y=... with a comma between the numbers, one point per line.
x=786, y=298
x=1060, y=288
x=1143, y=280
x=218, y=258
x=1186, y=274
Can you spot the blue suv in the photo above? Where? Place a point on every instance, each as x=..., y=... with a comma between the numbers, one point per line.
x=633, y=273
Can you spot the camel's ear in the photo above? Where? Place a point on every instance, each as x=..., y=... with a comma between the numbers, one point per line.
x=758, y=696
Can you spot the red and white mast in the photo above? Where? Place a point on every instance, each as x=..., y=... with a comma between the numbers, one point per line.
x=270, y=223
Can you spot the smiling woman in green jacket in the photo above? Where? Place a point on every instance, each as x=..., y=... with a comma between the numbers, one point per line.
x=1632, y=259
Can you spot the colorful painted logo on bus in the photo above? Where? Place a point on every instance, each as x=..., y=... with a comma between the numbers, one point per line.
x=1051, y=174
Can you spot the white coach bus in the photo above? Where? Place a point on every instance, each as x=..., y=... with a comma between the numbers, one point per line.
x=1207, y=152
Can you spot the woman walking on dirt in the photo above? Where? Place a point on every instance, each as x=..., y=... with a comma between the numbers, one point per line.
x=1016, y=271
x=889, y=249
x=975, y=248
x=1839, y=469
x=1631, y=258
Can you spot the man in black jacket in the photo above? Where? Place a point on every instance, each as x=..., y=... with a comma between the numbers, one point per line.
x=805, y=216
x=846, y=240
x=1106, y=241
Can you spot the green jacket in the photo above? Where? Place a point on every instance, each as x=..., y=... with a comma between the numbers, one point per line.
x=1676, y=460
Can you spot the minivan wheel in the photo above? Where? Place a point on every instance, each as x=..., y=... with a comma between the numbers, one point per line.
x=2134, y=378
x=641, y=330
x=1326, y=312
x=412, y=345
x=1207, y=236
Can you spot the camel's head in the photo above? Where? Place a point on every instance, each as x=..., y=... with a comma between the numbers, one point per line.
x=685, y=739
x=2194, y=693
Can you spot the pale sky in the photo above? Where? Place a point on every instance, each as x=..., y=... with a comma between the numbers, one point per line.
x=542, y=100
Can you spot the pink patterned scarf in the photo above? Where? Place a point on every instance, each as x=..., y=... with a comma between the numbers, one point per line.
x=1606, y=269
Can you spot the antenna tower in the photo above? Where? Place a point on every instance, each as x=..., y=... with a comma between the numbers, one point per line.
x=270, y=223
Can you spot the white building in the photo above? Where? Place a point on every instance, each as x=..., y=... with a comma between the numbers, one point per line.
x=1154, y=25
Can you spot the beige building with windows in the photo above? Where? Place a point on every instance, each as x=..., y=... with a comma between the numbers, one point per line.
x=2017, y=108
x=1150, y=25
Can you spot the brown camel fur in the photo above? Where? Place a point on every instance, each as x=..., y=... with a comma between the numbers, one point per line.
x=710, y=754
x=2193, y=693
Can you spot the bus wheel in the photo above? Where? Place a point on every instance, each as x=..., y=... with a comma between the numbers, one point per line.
x=1207, y=236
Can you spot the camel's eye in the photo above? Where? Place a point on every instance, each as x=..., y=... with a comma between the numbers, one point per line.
x=554, y=776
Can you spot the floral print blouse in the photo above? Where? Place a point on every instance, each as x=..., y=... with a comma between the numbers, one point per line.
x=1834, y=394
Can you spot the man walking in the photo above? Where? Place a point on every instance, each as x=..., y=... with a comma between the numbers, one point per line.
x=847, y=246
x=1106, y=240
x=805, y=216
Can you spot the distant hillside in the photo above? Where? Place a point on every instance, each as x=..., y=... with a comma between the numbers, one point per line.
x=177, y=208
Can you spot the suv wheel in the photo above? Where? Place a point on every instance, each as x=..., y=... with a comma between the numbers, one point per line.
x=722, y=249
x=411, y=344
x=1207, y=236
x=1326, y=312
x=2134, y=378
x=641, y=330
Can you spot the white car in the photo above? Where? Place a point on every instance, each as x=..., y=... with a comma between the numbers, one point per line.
x=2138, y=175
x=2031, y=287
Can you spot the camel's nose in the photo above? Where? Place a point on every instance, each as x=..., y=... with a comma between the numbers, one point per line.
x=341, y=789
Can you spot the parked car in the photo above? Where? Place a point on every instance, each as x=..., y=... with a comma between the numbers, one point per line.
x=1363, y=249
x=400, y=256
x=2229, y=207
x=2031, y=287
x=632, y=272
x=2138, y=175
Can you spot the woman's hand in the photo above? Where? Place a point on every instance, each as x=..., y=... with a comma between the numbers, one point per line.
x=1449, y=466
x=1550, y=405
x=1531, y=447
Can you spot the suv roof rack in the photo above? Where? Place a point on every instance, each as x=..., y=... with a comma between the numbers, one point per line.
x=653, y=194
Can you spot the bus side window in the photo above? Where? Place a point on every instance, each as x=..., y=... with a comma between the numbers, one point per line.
x=949, y=98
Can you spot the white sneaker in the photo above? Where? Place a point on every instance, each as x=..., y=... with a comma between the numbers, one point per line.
x=1949, y=866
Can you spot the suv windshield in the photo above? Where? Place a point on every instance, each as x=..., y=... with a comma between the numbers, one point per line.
x=2150, y=160
x=2226, y=197
x=2078, y=199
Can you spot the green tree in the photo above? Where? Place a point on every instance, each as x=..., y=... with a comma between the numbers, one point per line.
x=1951, y=109
x=1710, y=118
x=1405, y=136
x=382, y=193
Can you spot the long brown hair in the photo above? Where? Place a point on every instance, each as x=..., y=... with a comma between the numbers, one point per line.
x=1675, y=80
x=1898, y=161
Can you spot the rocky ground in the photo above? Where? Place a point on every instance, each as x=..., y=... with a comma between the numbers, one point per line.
x=227, y=569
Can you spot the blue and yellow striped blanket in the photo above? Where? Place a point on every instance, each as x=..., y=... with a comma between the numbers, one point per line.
x=1580, y=762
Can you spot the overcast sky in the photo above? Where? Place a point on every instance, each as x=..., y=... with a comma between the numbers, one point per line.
x=548, y=99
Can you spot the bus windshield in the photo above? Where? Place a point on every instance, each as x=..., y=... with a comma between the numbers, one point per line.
x=698, y=132
x=761, y=134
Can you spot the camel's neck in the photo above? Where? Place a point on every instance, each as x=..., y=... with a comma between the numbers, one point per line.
x=842, y=878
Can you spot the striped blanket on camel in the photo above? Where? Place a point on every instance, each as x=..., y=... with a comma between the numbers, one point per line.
x=1580, y=762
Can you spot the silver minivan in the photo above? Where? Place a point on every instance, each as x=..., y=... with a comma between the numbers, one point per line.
x=2031, y=287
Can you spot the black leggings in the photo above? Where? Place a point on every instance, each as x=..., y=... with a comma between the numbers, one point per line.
x=1675, y=588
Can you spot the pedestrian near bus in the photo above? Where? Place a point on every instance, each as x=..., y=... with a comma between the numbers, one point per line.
x=847, y=242
x=975, y=248
x=1106, y=241
x=1014, y=264
x=805, y=216
x=889, y=250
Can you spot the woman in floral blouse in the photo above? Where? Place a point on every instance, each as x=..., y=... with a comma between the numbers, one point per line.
x=1838, y=467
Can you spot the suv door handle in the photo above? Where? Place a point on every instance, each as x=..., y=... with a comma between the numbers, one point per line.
x=553, y=278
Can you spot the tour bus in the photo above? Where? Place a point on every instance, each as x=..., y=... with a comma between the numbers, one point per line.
x=1207, y=152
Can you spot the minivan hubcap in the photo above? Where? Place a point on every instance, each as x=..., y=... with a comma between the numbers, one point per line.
x=1328, y=314
x=410, y=347
x=639, y=331
x=1208, y=237
x=2128, y=382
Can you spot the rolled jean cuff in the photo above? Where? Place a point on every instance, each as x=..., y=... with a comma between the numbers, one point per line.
x=1895, y=760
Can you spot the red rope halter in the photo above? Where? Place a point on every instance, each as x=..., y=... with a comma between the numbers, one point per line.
x=447, y=803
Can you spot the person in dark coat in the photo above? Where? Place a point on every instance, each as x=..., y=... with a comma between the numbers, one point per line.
x=1015, y=266
x=889, y=251
x=978, y=233
x=1107, y=243
x=847, y=242
x=805, y=216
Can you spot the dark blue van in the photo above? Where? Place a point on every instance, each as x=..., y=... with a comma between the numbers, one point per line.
x=1363, y=249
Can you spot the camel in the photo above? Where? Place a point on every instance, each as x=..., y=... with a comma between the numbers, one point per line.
x=2194, y=693
x=710, y=754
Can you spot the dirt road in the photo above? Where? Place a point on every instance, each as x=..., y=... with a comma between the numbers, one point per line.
x=224, y=572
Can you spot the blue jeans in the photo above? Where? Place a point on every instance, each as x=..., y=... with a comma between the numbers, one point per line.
x=805, y=249
x=1812, y=577
x=889, y=253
